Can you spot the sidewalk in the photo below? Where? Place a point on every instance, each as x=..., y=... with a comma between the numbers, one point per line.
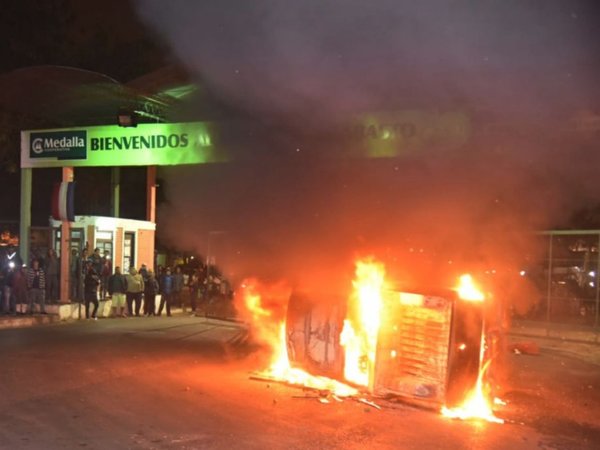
x=519, y=328
x=562, y=332
x=21, y=321
x=71, y=312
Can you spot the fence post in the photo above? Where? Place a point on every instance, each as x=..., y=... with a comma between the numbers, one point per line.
x=597, y=280
x=549, y=288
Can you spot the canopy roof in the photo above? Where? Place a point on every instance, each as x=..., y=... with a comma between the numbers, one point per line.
x=68, y=96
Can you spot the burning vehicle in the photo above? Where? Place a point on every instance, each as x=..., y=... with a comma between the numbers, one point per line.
x=430, y=347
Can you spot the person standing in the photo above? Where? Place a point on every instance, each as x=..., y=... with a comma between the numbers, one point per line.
x=36, y=287
x=150, y=291
x=194, y=285
x=166, y=291
x=91, y=282
x=177, y=288
x=2, y=285
x=96, y=260
x=135, y=288
x=83, y=263
x=8, y=295
x=105, y=275
x=20, y=287
x=51, y=272
x=117, y=287
x=74, y=271
x=144, y=272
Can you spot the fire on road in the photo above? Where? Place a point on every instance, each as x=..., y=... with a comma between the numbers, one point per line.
x=184, y=383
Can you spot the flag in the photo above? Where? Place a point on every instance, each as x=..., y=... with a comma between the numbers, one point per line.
x=63, y=201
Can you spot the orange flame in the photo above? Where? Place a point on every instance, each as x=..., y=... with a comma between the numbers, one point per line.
x=264, y=305
x=361, y=327
x=467, y=290
x=477, y=404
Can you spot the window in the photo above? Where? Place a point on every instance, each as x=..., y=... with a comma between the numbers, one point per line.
x=128, y=250
x=104, y=241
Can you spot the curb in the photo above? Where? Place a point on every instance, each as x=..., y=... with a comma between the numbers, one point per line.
x=23, y=322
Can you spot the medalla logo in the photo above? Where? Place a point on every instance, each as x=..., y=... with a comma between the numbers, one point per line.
x=59, y=145
x=37, y=145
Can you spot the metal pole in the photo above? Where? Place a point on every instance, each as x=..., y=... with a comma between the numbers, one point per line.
x=211, y=233
x=115, y=181
x=25, y=219
x=549, y=288
x=597, y=280
x=65, y=248
x=151, y=194
x=207, y=256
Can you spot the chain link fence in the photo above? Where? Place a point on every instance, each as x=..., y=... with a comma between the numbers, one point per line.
x=568, y=278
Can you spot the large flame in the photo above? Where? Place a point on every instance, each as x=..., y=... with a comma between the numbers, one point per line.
x=264, y=304
x=477, y=404
x=361, y=327
x=467, y=290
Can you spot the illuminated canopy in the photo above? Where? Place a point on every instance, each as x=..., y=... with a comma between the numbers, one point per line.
x=147, y=144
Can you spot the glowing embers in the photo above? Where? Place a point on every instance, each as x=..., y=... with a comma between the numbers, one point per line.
x=361, y=327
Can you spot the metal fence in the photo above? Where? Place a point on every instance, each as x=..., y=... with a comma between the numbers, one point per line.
x=568, y=278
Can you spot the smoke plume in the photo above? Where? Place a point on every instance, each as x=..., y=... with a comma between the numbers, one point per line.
x=290, y=206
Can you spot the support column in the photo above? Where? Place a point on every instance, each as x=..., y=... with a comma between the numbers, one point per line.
x=549, y=287
x=25, y=219
x=151, y=194
x=65, y=250
x=115, y=199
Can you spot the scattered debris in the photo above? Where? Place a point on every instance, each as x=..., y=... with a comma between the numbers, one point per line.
x=368, y=403
x=525, y=348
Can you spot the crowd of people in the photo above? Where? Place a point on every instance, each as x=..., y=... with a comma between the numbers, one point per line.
x=28, y=286
x=92, y=280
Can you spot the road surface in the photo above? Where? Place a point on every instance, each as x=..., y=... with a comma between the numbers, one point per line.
x=182, y=383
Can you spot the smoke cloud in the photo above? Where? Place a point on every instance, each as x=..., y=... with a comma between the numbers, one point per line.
x=283, y=208
x=334, y=56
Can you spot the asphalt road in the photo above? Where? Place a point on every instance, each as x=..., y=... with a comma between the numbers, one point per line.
x=182, y=383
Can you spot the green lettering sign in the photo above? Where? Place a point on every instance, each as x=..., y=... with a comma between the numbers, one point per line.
x=144, y=145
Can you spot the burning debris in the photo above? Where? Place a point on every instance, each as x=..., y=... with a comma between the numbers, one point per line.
x=267, y=307
x=427, y=349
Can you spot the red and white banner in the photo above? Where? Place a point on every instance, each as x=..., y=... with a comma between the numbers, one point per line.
x=63, y=201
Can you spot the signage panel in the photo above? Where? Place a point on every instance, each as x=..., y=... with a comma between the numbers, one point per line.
x=144, y=145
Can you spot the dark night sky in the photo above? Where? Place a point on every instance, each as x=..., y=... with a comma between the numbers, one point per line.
x=105, y=37
x=324, y=58
x=305, y=65
x=529, y=65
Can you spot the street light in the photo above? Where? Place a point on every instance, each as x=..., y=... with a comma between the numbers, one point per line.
x=211, y=233
x=126, y=118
